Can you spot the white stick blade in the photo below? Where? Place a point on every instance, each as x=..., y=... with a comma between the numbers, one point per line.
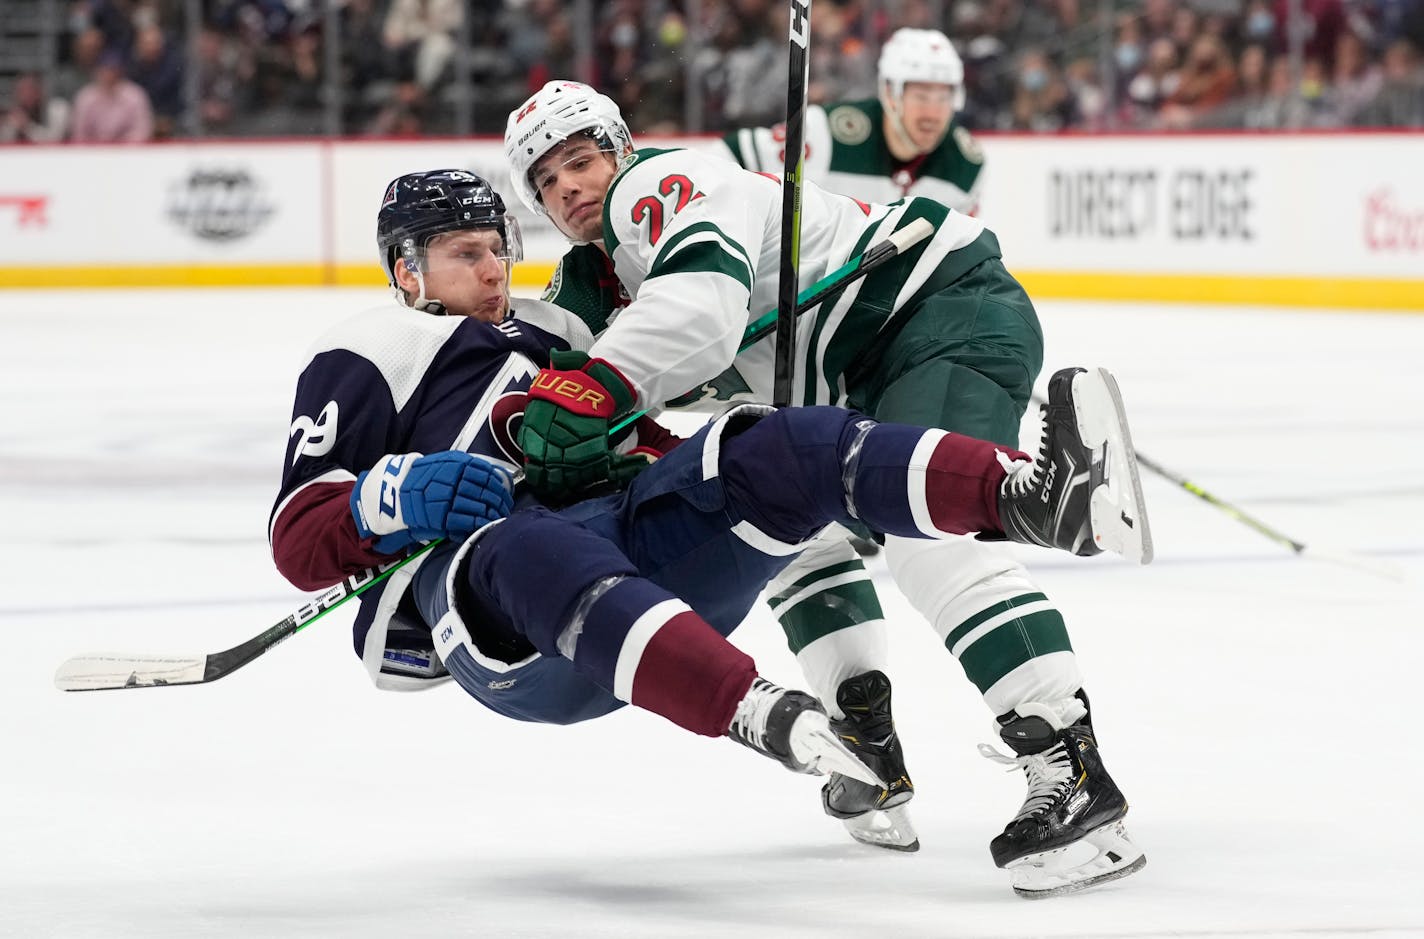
x=911, y=235
x=103, y=671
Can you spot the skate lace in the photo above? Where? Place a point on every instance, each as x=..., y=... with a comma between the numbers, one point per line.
x=1050, y=775
x=1023, y=475
x=749, y=721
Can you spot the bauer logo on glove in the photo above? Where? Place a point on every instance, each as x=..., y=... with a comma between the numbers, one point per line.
x=582, y=398
x=572, y=405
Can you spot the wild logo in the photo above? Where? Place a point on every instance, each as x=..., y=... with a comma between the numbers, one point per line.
x=219, y=205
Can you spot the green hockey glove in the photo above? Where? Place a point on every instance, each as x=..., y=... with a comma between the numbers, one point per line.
x=572, y=404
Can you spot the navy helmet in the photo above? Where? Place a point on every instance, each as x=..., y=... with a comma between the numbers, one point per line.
x=419, y=206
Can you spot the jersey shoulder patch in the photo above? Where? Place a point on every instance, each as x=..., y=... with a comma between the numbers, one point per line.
x=850, y=125
x=555, y=284
x=968, y=147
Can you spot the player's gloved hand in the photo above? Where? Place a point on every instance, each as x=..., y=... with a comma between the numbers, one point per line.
x=572, y=404
x=408, y=498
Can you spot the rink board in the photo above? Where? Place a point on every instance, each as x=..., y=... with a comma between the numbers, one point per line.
x=1325, y=220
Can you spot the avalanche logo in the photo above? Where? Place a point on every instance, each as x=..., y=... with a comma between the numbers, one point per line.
x=506, y=417
x=316, y=438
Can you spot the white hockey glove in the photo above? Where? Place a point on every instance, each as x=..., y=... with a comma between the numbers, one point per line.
x=408, y=498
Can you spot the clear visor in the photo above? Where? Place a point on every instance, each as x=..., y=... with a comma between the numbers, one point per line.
x=572, y=157
x=473, y=251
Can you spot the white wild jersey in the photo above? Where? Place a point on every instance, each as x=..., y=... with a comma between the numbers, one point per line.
x=697, y=242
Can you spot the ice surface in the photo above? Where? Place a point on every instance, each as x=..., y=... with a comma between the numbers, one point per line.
x=1260, y=710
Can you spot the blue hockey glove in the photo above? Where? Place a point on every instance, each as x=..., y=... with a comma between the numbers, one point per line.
x=408, y=498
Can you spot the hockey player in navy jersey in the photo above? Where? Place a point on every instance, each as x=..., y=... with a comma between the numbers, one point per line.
x=402, y=434
x=941, y=336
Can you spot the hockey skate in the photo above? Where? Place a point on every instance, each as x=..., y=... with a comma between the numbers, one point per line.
x=792, y=728
x=1082, y=492
x=873, y=815
x=1069, y=835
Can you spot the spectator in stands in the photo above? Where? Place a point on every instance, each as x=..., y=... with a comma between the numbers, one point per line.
x=1356, y=82
x=1401, y=101
x=1186, y=27
x=1089, y=101
x=404, y=115
x=1208, y=80
x=1323, y=21
x=1041, y=100
x=1253, y=93
x=32, y=116
x=1157, y=18
x=1153, y=85
x=842, y=65
x=421, y=34
x=1129, y=50
x=225, y=72
x=754, y=69
x=1282, y=107
x=84, y=50
x=157, y=68
x=1258, y=26
x=112, y=109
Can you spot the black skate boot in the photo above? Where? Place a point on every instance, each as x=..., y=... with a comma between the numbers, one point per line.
x=791, y=727
x=1082, y=493
x=1069, y=835
x=873, y=815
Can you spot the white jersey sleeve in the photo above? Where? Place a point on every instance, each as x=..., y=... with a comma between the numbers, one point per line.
x=686, y=234
x=763, y=149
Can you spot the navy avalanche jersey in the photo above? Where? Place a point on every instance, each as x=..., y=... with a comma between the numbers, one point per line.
x=392, y=380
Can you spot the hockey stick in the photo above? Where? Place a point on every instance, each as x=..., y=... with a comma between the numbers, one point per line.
x=110, y=671
x=1371, y=565
x=839, y=279
x=113, y=671
x=794, y=158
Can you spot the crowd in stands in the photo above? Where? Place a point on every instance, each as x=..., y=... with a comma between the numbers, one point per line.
x=125, y=69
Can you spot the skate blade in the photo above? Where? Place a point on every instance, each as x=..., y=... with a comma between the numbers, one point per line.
x=890, y=829
x=1103, y=855
x=1117, y=509
x=819, y=751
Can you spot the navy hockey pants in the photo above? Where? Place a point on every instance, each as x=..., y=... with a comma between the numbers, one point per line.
x=710, y=523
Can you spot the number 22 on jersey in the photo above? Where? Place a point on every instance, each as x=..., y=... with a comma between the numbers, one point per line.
x=674, y=194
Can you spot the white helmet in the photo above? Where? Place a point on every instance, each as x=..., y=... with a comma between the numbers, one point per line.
x=920, y=55
x=552, y=115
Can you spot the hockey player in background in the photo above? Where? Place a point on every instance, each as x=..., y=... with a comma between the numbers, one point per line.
x=905, y=142
x=940, y=336
x=565, y=616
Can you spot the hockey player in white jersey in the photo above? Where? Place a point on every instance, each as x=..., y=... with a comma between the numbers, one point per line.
x=941, y=336
x=904, y=142
x=401, y=437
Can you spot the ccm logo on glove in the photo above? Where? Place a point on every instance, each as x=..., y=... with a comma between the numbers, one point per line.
x=390, y=484
x=407, y=498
